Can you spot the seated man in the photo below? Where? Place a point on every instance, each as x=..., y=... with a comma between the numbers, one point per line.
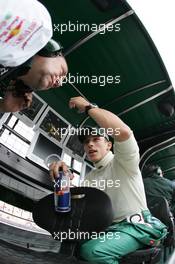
x=133, y=226
x=156, y=185
x=25, y=30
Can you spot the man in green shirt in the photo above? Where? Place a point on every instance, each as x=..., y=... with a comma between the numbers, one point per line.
x=155, y=184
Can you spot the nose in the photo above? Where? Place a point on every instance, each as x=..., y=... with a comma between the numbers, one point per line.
x=90, y=143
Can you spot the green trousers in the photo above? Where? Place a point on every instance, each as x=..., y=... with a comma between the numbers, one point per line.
x=109, y=251
x=123, y=238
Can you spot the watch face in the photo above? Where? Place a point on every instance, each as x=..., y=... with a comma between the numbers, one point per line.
x=92, y=105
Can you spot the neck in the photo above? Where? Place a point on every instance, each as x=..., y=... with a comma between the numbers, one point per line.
x=104, y=161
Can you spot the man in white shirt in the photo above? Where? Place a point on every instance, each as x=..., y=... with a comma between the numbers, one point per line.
x=133, y=226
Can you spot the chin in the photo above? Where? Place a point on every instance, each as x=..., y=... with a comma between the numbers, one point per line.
x=43, y=87
x=94, y=160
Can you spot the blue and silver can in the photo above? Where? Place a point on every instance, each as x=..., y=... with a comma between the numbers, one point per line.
x=62, y=197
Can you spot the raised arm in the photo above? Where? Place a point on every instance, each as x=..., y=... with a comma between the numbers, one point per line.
x=103, y=118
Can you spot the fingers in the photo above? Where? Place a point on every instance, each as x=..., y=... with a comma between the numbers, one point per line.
x=55, y=167
x=15, y=104
x=72, y=105
x=79, y=102
x=72, y=102
x=28, y=100
x=71, y=176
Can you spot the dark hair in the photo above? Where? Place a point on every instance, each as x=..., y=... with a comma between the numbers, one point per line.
x=150, y=170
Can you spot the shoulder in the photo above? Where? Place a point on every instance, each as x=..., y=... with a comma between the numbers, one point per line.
x=128, y=145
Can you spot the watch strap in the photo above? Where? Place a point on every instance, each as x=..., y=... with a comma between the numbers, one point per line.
x=90, y=106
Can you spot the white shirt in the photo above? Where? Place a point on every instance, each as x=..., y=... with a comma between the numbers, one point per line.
x=25, y=28
x=119, y=176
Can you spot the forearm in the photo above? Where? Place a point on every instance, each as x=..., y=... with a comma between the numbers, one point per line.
x=110, y=121
x=103, y=118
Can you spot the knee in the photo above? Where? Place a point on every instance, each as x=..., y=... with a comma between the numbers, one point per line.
x=97, y=254
x=90, y=253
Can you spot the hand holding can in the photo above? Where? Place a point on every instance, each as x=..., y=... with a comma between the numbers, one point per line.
x=62, y=195
x=61, y=176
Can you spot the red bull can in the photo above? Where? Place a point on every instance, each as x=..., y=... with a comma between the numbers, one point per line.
x=62, y=196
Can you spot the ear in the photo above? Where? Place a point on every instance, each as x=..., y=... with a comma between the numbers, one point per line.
x=109, y=145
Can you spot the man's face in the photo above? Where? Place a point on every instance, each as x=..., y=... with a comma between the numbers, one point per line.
x=96, y=147
x=45, y=73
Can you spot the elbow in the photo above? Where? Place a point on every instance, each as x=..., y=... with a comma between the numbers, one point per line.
x=124, y=134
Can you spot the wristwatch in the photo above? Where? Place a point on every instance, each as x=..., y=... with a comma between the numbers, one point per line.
x=90, y=106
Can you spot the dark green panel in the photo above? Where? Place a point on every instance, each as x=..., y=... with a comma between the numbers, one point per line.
x=129, y=53
x=165, y=158
x=117, y=53
x=76, y=12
